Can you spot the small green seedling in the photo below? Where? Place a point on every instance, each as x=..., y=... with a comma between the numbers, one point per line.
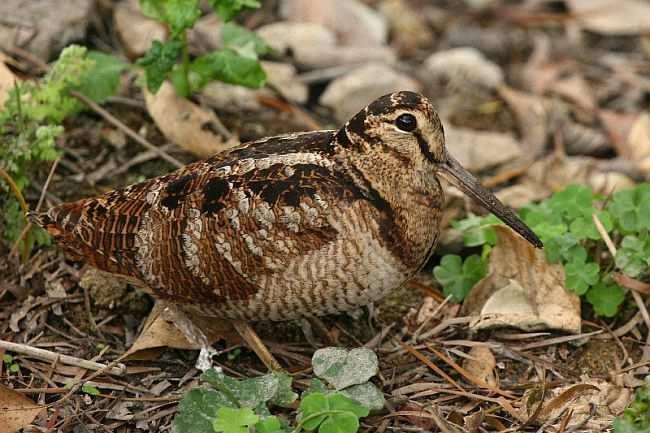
x=235, y=63
x=12, y=367
x=636, y=418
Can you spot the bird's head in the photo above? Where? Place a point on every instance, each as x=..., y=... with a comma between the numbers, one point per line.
x=405, y=126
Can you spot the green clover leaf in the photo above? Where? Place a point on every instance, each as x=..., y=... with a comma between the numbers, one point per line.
x=606, y=298
x=231, y=420
x=331, y=413
x=580, y=275
x=633, y=257
x=227, y=9
x=630, y=209
x=457, y=277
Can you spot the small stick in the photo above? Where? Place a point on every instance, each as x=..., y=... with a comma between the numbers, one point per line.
x=255, y=343
x=48, y=355
x=603, y=234
x=128, y=131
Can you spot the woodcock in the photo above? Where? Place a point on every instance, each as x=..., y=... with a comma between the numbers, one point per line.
x=295, y=225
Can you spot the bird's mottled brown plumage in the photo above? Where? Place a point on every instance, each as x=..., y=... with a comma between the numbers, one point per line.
x=301, y=224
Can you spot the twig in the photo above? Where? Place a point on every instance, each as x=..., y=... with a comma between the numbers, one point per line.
x=16, y=191
x=603, y=234
x=65, y=359
x=128, y=131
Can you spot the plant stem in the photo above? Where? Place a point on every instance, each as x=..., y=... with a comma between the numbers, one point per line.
x=14, y=188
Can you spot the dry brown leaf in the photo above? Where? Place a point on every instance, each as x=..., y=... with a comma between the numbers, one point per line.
x=161, y=331
x=7, y=81
x=136, y=31
x=185, y=123
x=16, y=410
x=482, y=364
x=522, y=290
x=607, y=400
x=532, y=114
x=481, y=150
x=575, y=89
x=637, y=146
x=612, y=17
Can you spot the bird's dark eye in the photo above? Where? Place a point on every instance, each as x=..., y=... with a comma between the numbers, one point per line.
x=406, y=122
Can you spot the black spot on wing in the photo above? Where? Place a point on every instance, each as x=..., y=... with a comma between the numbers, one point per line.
x=214, y=193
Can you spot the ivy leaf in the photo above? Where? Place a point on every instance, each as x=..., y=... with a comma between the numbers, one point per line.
x=256, y=391
x=457, y=277
x=198, y=410
x=606, y=298
x=102, y=80
x=231, y=420
x=179, y=14
x=227, y=9
x=159, y=61
x=342, y=368
x=367, y=394
x=580, y=275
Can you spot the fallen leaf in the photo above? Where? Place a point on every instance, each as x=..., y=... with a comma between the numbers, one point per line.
x=637, y=146
x=16, y=410
x=136, y=31
x=594, y=399
x=575, y=89
x=612, y=17
x=185, y=123
x=7, y=81
x=161, y=330
x=481, y=150
x=481, y=364
x=522, y=290
x=532, y=114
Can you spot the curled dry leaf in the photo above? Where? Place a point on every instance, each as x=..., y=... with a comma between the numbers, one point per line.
x=481, y=364
x=185, y=123
x=607, y=399
x=162, y=329
x=522, y=290
x=7, y=81
x=612, y=17
x=16, y=410
x=481, y=150
x=637, y=146
x=136, y=31
x=533, y=117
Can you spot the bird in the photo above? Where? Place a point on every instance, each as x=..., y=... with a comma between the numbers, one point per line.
x=301, y=224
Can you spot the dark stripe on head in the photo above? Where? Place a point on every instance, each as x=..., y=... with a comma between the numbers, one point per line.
x=424, y=148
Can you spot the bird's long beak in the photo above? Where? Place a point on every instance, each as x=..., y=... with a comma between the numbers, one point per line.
x=464, y=180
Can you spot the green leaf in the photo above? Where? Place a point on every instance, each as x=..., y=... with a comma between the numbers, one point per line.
x=198, y=410
x=179, y=14
x=228, y=66
x=309, y=407
x=564, y=248
x=102, y=80
x=606, y=298
x=256, y=391
x=236, y=37
x=633, y=257
x=457, y=277
x=572, y=202
x=630, y=209
x=580, y=275
x=338, y=401
x=270, y=424
x=231, y=420
x=227, y=9
x=344, y=422
x=7, y=359
x=342, y=368
x=90, y=389
x=15, y=368
x=367, y=394
x=159, y=61
x=477, y=230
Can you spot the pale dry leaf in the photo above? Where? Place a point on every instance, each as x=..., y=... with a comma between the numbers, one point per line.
x=161, y=331
x=532, y=114
x=481, y=150
x=408, y=27
x=185, y=123
x=522, y=290
x=7, y=82
x=637, y=145
x=16, y=410
x=136, y=31
x=612, y=17
x=576, y=89
x=594, y=399
x=482, y=364
x=618, y=126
